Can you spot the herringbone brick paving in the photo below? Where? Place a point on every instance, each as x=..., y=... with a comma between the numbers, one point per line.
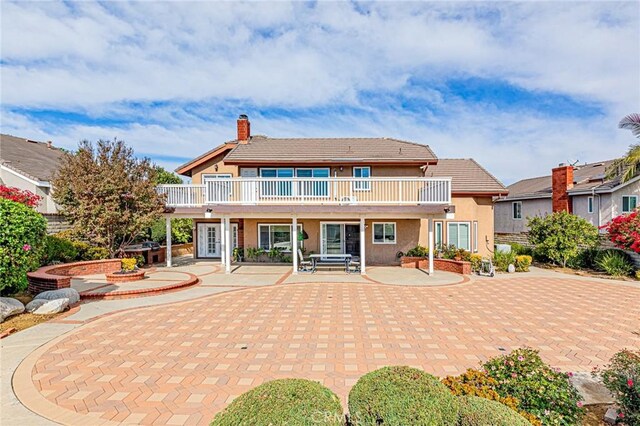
x=182, y=363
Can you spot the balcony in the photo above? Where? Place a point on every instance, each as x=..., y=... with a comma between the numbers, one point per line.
x=310, y=191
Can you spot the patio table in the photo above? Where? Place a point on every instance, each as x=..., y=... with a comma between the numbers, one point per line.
x=331, y=259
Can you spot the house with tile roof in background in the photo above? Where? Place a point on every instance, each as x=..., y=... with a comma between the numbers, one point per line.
x=582, y=190
x=370, y=198
x=30, y=165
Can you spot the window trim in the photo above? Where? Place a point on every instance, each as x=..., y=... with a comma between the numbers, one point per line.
x=458, y=223
x=290, y=225
x=384, y=239
x=364, y=186
x=590, y=205
x=474, y=242
x=622, y=204
x=204, y=176
x=435, y=233
x=513, y=212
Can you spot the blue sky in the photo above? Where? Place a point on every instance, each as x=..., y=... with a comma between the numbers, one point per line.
x=518, y=86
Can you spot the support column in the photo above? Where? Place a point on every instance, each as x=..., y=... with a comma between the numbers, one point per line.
x=363, y=243
x=167, y=255
x=227, y=245
x=294, y=248
x=223, y=251
x=431, y=243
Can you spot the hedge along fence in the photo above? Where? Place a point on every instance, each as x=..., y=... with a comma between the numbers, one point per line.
x=455, y=266
x=59, y=276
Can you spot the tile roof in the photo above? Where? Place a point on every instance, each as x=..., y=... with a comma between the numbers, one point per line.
x=262, y=149
x=467, y=176
x=585, y=178
x=32, y=159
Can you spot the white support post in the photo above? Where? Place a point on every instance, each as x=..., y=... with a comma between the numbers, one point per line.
x=223, y=251
x=363, y=242
x=227, y=245
x=431, y=243
x=294, y=248
x=168, y=249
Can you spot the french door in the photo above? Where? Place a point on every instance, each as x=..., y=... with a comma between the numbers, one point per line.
x=210, y=239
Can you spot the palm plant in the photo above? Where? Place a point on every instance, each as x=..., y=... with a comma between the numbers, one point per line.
x=627, y=167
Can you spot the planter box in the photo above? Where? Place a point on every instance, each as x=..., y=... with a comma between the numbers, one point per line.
x=54, y=277
x=116, y=277
x=456, y=266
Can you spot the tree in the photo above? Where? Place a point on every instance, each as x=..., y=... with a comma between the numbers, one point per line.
x=627, y=167
x=108, y=195
x=18, y=195
x=22, y=235
x=560, y=236
x=181, y=229
x=624, y=231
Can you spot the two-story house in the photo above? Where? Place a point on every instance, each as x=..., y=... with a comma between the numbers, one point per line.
x=582, y=190
x=369, y=197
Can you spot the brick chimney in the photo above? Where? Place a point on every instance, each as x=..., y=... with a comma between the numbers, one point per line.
x=244, y=128
x=561, y=182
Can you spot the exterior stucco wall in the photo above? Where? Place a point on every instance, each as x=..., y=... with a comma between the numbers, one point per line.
x=506, y=224
x=210, y=168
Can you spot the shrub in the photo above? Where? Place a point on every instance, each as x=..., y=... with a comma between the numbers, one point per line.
x=624, y=231
x=560, y=236
x=585, y=259
x=181, y=231
x=401, y=396
x=622, y=378
x=542, y=391
x=614, y=263
x=128, y=264
x=522, y=263
x=18, y=195
x=22, y=233
x=58, y=250
x=475, y=260
x=475, y=411
x=519, y=249
x=418, y=251
x=502, y=260
x=478, y=383
x=283, y=402
x=94, y=253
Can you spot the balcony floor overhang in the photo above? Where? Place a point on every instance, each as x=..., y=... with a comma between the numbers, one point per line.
x=314, y=211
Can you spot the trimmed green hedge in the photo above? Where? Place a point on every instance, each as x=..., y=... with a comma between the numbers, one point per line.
x=291, y=402
x=476, y=411
x=401, y=396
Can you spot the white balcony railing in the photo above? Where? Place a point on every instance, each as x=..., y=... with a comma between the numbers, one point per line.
x=305, y=191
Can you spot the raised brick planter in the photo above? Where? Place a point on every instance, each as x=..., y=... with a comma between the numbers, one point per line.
x=118, y=277
x=456, y=266
x=54, y=277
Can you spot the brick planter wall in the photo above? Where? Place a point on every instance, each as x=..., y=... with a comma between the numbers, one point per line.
x=59, y=276
x=114, y=277
x=458, y=267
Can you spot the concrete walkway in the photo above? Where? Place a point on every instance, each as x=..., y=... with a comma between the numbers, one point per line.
x=177, y=358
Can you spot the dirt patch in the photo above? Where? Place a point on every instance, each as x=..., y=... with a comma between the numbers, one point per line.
x=23, y=321
x=595, y=414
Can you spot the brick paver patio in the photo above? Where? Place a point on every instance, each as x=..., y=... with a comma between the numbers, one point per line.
x=182, y=363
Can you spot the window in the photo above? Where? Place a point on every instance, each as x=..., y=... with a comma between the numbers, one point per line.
x=384, y=233
x=438, y=235
x=590, y=205
x=629, y=203
x=362, y=173
x=458, y=234
x=517, y=209
x=218, y=187
x=313, y=189
x=273, y=188
x=276, y=236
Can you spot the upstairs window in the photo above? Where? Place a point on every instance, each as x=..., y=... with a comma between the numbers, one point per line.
x=590, y=205
x=629, y=203
x=517, y=209
x=362, y=173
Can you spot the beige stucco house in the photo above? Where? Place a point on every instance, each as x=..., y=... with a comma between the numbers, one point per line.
x=371, y=198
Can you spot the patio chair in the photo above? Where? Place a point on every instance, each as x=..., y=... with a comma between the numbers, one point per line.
x=304, y=265
x=354, y=265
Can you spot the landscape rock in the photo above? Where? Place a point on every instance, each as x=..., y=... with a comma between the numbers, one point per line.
x=591, y=389
x=35, y=304
x=53, y=307
x=10, y=306
x=511, y=269
x=611, y=416
x=63, y=293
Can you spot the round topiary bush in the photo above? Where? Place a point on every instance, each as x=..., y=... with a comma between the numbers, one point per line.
x=289, y=402
x=22, y=233
x=401, y=396
x=476, y=411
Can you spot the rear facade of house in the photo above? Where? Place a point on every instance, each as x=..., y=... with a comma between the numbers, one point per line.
x=374, y=198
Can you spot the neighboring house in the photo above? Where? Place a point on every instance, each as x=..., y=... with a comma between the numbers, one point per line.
x=582, y=190
x=368, y=197
x=30, y=165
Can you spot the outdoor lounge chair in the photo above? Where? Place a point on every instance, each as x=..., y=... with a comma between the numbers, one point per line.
x=304, y=265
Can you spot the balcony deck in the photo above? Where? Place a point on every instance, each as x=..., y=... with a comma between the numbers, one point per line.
x=394, y=191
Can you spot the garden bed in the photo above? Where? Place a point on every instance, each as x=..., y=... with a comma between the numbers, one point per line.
x=455, y=266
x=123, y=277
x=583, y=272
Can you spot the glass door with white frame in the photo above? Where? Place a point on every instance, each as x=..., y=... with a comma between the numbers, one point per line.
x=210, y=239
x=217, y=187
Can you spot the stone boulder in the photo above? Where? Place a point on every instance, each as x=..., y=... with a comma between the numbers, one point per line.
x=63, y=293
x=53, y=307
x=35, y=304
x=10, y=306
